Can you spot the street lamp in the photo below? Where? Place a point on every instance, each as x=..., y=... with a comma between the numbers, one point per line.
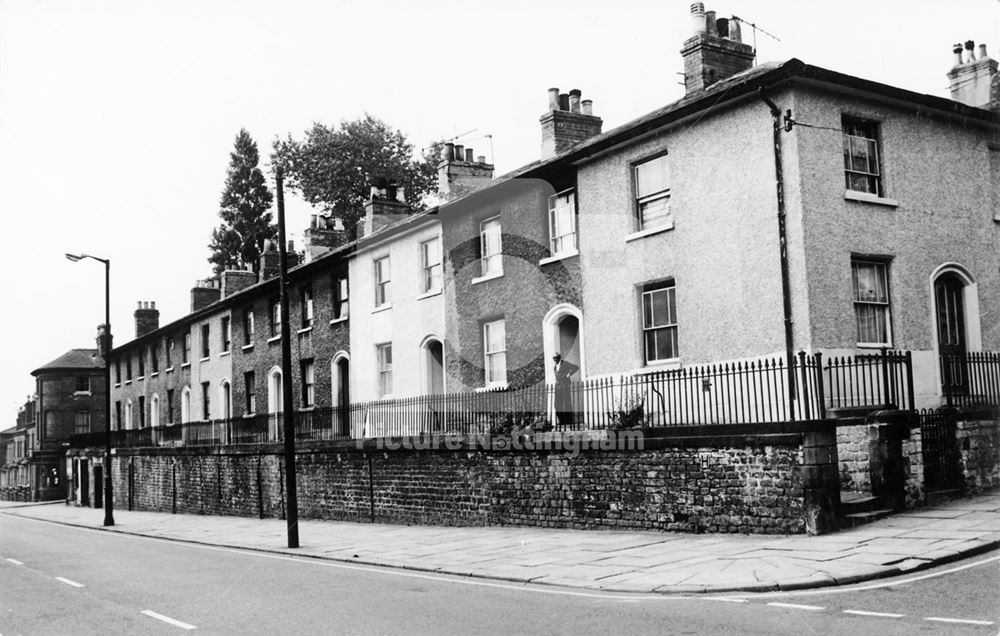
x=109, y=517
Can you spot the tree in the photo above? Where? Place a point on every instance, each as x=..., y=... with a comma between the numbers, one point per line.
x=245, y=211
x=333, y=168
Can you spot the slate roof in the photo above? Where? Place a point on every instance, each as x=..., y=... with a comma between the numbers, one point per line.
x=73, y=359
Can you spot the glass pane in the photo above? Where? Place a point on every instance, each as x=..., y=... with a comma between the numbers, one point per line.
x=647, y=310
x=872, y=166
x=661, y=311
x=651, y=177
x=654, y=213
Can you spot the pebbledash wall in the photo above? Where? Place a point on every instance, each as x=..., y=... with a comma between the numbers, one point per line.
x=695, y=481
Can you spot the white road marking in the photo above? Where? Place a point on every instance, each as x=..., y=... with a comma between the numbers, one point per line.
x=389, y=570
x=15, y=562
x=68, y=582
x=727, y=599
x=963, y=621
x=812, y=608
x=167, y=619
x=878, y=614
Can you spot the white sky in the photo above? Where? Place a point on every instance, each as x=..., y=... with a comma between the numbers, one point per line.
x=117, y=117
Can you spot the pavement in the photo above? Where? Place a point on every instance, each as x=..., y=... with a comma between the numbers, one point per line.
x=601, y=560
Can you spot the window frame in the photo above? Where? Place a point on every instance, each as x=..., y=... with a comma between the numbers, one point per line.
x=274, y=317
x=647, y=292
x=85, y=384
x=885, y=306
x=170, y=406
x=383, y=289
x=206, y=401
x=484, y=256
x=250, y=392
x=85, y=413
x=154, y=358
x=555, y=247
x=308, y=369
x=167, y=348
x=206, y=340
x=383, y=369
x=430, y=280
x=639, y=200
x=488, y=379
x=306, y=306
x=341, y=296
x=186, y=352
x=248, y=326
x=141, y=362
x=874, y=179
x=226, y=334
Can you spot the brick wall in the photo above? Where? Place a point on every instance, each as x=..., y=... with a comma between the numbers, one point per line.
x=738, y=484
x=979, y=445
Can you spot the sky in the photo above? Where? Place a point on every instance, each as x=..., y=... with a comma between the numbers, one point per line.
x=117, y=117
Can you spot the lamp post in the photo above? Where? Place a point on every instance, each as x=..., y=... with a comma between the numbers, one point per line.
x=109, y=516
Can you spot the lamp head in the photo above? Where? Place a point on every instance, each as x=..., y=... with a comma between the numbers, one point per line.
x=74, y=257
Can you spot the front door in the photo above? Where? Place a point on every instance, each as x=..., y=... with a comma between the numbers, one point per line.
x=950, y=305
x=98, y=485
x=84, y=484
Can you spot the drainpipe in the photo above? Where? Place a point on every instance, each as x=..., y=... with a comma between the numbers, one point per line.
x=786, y=297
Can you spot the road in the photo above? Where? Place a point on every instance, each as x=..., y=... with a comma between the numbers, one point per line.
x=63, y=580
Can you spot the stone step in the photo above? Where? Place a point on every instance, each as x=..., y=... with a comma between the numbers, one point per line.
x=854, y=502
x=860, y=518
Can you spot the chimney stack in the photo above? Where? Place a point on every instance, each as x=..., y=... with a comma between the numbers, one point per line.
x=204, y=293
x=386, y=206
x=270, y=263
x=568, y=121
x=715, y=51
x=458, y=175
x=236, y=280
x=973, y=78
x=147, y=318
x=323, y=234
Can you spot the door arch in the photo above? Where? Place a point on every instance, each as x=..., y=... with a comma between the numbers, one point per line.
x=340, y=386
x=956, y=325
x=432, y=354
x=186, y=405
x=275, y=402
x=562, y=333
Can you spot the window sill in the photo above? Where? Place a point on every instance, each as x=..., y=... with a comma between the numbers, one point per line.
x=140, y=378
x=249, y=415
x=337, y=321
x=483, y=279
x=168, y=370
x=663, y=365
x=224, y=354
x=864, y=197
x=996, y=218
x=558, y=257
x=634, y=236
x=185, y=365
x=874, y=345
x=205, y=359
x=382, y=308
x=429, y=294
x=128, y=382
x=247, y=347
x=304, y=330
x=154, y=374
x=117, y=384
x=82, y=393
x=274, y=339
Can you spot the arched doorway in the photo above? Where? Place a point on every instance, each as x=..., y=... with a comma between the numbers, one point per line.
x=956, y=328
x=186, y=405
x=563, y=334
x=433, y=372
x=340, y=373
x=275, y=402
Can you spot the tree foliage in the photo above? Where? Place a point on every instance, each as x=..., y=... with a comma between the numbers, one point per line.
x=333, y=168
x=244, y=209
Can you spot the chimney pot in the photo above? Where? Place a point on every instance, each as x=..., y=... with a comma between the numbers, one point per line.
x=291, y=245
x=970, y=53
x=140, y=304
x=481, y=159
x=574, y=100
x=553, y=99
x=468, y=154
x=698, y=18
x=710, y=28
x=587, y=106
x=563, y=101
x=957, y=50
x=459, y=152
x=982, y=51
x=448, y=151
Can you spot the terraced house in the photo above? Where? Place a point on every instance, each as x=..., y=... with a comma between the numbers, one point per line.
x=782, y=241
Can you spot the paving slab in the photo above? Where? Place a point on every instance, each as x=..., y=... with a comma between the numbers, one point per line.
x=605, y=560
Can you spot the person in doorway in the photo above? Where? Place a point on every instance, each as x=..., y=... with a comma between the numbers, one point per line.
x=564, y=398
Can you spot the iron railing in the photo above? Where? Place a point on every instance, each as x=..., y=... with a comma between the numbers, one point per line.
x=970, y=379
x=745, y=392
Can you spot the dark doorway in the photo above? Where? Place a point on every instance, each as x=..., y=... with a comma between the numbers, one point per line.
x=84, y=484
x=949, y=299
x=435, y=367
x=343, y=388
x=98, y=486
